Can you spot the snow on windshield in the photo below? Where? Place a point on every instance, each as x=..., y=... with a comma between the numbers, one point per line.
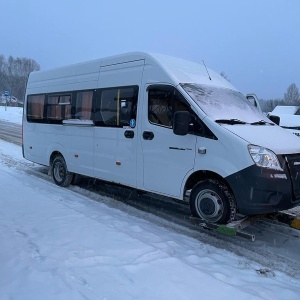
x=222, y=103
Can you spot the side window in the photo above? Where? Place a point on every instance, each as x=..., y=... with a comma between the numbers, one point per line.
x=163, y=102
x=83, y=106
x=58, y=108
x=116, y=106
x=35, y=108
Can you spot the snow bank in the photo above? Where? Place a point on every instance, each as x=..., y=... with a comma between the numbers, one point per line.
x=11, y=114
x=57, y=244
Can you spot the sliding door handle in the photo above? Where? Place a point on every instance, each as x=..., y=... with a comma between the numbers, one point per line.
x=129, y=134
x=148, y=135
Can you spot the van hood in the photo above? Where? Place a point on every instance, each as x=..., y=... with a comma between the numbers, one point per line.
x=275, y=138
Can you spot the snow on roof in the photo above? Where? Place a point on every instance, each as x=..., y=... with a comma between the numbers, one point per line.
x=180, y=70
x=289, y=120
x=287, y=115
x=185, y=71
x=281, y=109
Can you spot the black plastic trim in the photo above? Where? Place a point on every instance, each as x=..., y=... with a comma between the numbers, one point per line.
x=261, y=190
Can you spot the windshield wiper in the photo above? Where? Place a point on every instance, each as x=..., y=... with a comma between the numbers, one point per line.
x=231, y=121
x=293, y=128
x=261, y=122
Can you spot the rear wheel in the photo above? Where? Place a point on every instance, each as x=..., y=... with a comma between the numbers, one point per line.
x=212, y=201
x=60, y=173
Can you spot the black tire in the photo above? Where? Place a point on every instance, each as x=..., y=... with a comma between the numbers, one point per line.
x=60, y=173
x=212, y=202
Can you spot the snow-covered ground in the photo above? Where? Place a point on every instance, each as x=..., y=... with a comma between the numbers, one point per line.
x=57, y=244
x=11, y=114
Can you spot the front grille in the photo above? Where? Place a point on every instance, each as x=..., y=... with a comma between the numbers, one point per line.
x=293, y=161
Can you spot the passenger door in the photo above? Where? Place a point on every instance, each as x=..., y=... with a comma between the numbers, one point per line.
x=167, y=158
x=115, y=140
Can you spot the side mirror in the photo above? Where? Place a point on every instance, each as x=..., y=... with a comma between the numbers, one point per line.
x=275, y=119
x=182, y=120
x=254, y=100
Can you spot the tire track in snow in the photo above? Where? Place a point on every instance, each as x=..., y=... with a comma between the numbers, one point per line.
x=272, y=247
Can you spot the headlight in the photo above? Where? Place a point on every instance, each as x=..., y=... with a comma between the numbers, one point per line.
x=264, y=157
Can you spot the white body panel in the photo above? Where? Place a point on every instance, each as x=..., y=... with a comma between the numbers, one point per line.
x=224, y=156
x=167, y=159
x=273, y=137
x=115, y=157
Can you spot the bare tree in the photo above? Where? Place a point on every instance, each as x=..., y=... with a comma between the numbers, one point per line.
x=2, y=63
x=2, y=73
x=269, y=105
x=16, y=73
x=292, y=97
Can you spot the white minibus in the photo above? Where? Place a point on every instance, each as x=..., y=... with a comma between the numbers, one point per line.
x=162, y=125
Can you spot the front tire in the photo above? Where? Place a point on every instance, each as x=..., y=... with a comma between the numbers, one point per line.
x=60, y=173
x=212, y=202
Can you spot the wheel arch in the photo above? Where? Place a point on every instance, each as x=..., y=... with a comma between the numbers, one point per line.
x=54, y=149
x=194, y=178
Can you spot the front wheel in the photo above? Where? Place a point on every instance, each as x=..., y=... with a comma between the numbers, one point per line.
x=60, y=173
x=212, y=201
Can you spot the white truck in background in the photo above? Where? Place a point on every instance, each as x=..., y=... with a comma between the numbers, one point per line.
x=287, y=117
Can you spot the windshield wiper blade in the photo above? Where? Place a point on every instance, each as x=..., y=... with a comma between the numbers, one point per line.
x=231, y=121
x=261, y=122
x=293, y=128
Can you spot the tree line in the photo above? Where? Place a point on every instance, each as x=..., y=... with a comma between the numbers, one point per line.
x=14, y=72
x=290, y=97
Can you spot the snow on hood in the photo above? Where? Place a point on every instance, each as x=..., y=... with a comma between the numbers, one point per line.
x=275, y=138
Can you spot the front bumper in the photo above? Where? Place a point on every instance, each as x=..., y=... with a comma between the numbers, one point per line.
x=260, y=190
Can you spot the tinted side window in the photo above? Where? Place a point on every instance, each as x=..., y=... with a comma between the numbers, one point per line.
x=35, y=108
x=163, y=102
x=116, y=106
x=58, y=108
x=84, y=104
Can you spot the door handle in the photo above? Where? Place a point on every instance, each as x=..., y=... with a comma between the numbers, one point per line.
x=129, y=134
x=148, y=135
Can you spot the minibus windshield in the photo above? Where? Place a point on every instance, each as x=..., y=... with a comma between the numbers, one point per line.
x=224, y=105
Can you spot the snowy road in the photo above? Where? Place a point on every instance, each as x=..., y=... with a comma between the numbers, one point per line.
x=58, y=244
x=11, y=132
x=272, y=239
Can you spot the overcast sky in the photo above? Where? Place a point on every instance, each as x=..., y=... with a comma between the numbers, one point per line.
x=255, y=42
